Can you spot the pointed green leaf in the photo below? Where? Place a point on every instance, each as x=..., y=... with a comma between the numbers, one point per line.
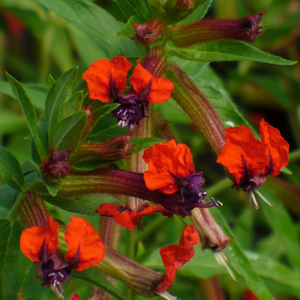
x=140, y=143
x=97, y=24
x=95, y=277
x=239, y=263
x=67, y=133
x=16, y=265
x=226, y=50
x=58, y=94
x=25, y=103
x=198, y=13
x=72, y=105
x=10, y=170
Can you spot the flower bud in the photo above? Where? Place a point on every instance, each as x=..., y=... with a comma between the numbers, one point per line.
x=246, y=29
x=148, y=33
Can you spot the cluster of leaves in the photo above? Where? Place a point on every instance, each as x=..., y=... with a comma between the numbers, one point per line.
x=265, y=242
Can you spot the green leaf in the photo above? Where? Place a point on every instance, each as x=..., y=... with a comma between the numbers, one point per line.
x=96, y=278
x=226, y=50
x=67, y=133
x=10, y=121
x=57, y=96
x=25, y=103
x=5, y=230
x=239, y=263
x=10, y=169
x=85, y=204
x=281, y=222
x=16, y=265
x=157, y=6
x=8, y=196
x=72, y=105
x=127, y=32
x=37, y=93
x=140, y=143
x=97, y=24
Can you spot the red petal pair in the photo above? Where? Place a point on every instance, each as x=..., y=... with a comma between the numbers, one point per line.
x=175, y=256
x=245, y=156
x=82, y=240
x=163, y=160
x=104, y=76
x=127, y=217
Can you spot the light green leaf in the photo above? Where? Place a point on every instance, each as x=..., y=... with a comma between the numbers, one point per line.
x=226, y=50
x=72, y=105
x=10, y=170
x=67, y=133
x=57, y=96
x=97, y=24
x=140, y=143
x=37, y=93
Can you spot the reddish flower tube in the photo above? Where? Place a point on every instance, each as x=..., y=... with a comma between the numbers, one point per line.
x=175, y=256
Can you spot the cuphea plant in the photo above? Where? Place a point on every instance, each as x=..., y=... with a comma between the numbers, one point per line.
x=101, y=144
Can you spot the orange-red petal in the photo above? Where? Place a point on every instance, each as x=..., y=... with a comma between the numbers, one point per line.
x=247, y=295
x=127, y=217
x=84, y=244
x=277, y=149
x=163, y=159
x=242, y=154
x=100, y=74
x=158, y=90
x=175, y=256
x=36, y=239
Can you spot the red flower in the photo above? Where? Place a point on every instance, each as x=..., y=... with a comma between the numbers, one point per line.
x=127, y=217
x=85, y=246
x=40, y=245
x=246, y=157
x=175, y=256
x=34, y=239
x=167, y=161
x=104, y=77
x=74, y=296
x=154, y=89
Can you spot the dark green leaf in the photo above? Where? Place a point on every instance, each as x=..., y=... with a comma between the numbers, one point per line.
x=281, y=222
x=16, y=265
x=97, y=24
x=86, y=204
x=8, y=196
x=67, y=133
x=25, y=103
x=128, y=7
x=72, y=105
x=127, y=32
x=239, y=263
x=37, y=93
x=10, y=169
x=226, y=50
x=5, y=230
x=95, y=277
